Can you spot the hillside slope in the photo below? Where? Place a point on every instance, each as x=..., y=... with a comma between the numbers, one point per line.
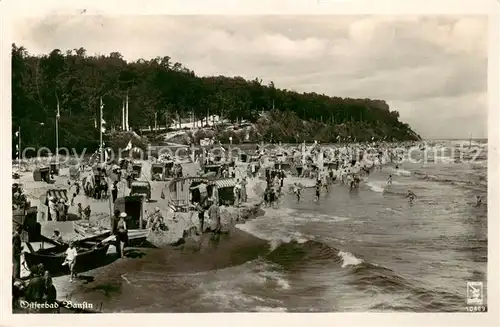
x=166, y=90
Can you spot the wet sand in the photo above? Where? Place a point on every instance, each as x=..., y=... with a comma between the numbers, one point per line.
x=207, y=252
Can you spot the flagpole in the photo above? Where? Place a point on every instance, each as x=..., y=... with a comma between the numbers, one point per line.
x=19, y=151
x=57, y=134
x=100, y=132
x=127, y=127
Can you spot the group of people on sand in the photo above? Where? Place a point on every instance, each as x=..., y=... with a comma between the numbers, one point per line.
x=19, y=200
x=38, y=289
x=274, y=187
x=207, y=205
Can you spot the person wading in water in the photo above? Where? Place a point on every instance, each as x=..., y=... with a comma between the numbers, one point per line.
x=411, y=196
x=296, y=191
x=318, y=190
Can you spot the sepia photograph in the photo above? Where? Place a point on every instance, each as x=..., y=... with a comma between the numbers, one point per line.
x=249, y=163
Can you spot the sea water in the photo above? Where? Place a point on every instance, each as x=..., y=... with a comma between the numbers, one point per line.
x=368, y=250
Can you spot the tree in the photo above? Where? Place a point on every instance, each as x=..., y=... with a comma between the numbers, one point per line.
x=166, y=87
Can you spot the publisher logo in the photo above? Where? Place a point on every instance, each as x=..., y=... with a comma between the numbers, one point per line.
x=474, y=293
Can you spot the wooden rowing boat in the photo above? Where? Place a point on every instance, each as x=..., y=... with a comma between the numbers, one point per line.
x=89, y=230
x=134, y=236
x=89, y=254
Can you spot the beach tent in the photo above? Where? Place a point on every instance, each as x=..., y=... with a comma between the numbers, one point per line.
x=225, y=190
x=141, y=188
x=157, y=171
x=27, y=218
x=74, y=172
x=136, y=170
x=54, y=168
x=133, y=206
x=41, y=174
x=216, y=169
x=44, y=202
x=180, y=193
x=243, y=157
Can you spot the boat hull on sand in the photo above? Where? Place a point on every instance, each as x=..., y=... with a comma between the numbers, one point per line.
x=53, y=258
x=88, y=231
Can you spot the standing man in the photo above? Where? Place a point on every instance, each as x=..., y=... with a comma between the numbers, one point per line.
x=52, y=209
x=17, y=249
x=237, y=193
x=201, y=216
x=114, y=221
x=114, y=191
x=214, y=214
x=243, y=191
x=61, y=210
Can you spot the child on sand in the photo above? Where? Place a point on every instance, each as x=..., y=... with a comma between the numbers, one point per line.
x=80, y=211
x=87, y=211
x=71, y=260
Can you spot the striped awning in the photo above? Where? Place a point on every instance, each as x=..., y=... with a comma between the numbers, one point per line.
x=223, y=183
x=58, y=194
x=140, y=184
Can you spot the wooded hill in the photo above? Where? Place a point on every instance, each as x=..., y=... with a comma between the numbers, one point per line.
x=170, y=90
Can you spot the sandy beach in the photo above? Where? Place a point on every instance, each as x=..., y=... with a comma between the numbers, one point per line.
x=179, y=257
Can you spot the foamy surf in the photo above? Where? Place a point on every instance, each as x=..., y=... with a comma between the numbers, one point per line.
x=274, y=237
x=348, y=259
x=280, y=239
x=276, y=226
x=401, y=172
x=227, y=287
x=376, y=186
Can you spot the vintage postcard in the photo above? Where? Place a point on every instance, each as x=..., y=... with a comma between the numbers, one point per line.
x=332, y=157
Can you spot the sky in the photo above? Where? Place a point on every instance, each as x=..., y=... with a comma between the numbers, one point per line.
x=432, y=69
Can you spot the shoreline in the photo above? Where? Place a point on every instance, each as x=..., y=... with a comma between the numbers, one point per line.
x=198, y=253
x=95, y=283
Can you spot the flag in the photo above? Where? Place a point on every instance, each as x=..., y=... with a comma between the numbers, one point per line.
x=105, y=155
x=103, y=129
x=95, y=123
x=129, y=146
x=17, y=134
x=373, y=138
x=58, y=115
